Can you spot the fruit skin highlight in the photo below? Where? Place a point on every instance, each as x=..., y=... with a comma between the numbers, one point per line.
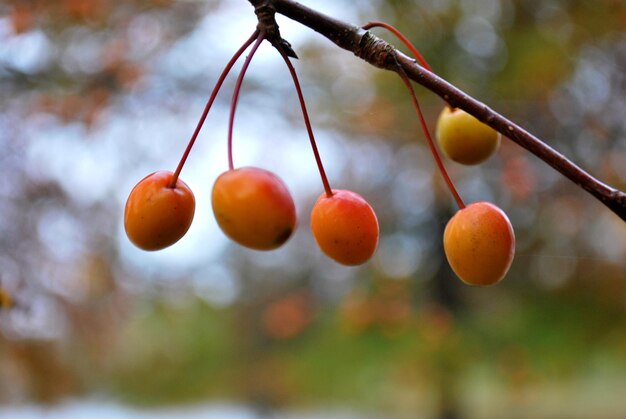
x=479, y=243
x=345, y=227
x=157, y=216
x=254, y=208
x=463, y=138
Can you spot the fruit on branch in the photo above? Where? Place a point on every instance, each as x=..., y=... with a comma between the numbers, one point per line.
x=345, y=227
x=463, y=138
x=254, y=208
x=157, y=215
x=479, y=243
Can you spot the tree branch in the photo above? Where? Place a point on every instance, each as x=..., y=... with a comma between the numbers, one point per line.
x=381, y=54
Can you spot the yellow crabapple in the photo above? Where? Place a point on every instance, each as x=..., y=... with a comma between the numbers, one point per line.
x=463, y=138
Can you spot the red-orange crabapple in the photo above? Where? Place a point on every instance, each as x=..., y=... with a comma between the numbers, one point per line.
x=345, y=227
x=157, y=215
x=254, y=208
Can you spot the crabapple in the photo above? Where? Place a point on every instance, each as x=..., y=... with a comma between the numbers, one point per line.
x=254, y=208
x=463, y=138
x=345, y=227
x=157, y=215
x=479, y=243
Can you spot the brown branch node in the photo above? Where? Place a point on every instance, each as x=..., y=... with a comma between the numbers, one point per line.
x=376, y=51
x=266, y=16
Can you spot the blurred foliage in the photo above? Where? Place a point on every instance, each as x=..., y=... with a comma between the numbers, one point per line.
x=97, y=94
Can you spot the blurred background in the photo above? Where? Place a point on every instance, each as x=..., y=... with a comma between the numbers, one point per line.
x=94, y=95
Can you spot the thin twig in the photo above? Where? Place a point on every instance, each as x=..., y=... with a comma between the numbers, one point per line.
x=381, y=54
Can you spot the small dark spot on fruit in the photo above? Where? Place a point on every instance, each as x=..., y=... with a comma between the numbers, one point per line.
x=283, y=236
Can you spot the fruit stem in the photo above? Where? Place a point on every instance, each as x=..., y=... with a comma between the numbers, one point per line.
x=233, y=105
x=307, y=122
x=209, y=103
x=402, y=38
x=431, y=143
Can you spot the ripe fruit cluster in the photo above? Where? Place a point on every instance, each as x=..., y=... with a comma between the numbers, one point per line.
x=254, y=208
x=479, y=241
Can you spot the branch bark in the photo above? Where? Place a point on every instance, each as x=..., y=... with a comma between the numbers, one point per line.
x=383, y=55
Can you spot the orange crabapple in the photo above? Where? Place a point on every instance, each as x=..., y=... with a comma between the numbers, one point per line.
x=254, y=208
x=158, y=215
x=463, y=138
x=479, y=244
x=345, y=227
